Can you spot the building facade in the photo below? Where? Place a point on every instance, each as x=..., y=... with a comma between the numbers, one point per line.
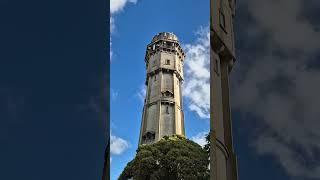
x=163, y=110
x=223, y=160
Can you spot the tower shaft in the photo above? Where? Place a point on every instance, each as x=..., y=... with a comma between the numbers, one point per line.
x=162, y=111
x=223, y=159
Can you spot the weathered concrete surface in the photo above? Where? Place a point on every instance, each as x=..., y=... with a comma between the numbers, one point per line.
x=163, y=112
x=223, y=160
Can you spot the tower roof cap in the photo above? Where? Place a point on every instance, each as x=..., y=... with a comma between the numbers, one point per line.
x=165, y=35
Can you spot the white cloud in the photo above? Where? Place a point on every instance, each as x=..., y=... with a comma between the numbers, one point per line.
x=278, y=87
x=118, y=5
x=196, y=87
x=287, y=24
x=200, y=138
x=118, y=145
x=294, y=162
x=112, y=27
x=114, y=94
x=142, y=93
x=288, y=109
x=197, y=74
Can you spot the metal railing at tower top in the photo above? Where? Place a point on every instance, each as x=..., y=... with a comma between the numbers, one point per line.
x=165, y=35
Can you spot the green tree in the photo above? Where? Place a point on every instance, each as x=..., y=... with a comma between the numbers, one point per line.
x=207, y=146
x=171, y=158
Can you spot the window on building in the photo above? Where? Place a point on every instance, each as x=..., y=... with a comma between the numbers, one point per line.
x=155, y=78
x=167, y=109
x=153, y=63
x=216, y=66
x=167, y=62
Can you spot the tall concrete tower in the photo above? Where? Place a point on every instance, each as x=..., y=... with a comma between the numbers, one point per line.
x=163, y=111
x=223, y=160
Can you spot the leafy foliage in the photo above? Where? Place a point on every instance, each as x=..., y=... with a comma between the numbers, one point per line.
x=173, y=157
x=207, y=146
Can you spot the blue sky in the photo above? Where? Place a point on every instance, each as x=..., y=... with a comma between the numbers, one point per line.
x=273, y=89
x=53, y=82
x=134, y=25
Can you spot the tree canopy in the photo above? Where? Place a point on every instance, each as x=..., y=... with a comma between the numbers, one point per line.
x=171, y=158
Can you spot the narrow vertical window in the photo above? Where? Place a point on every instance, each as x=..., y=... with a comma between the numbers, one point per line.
x=153, y=63
x=222, y=20
x=216, y=66
x=167, y=109
x=167, y=62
